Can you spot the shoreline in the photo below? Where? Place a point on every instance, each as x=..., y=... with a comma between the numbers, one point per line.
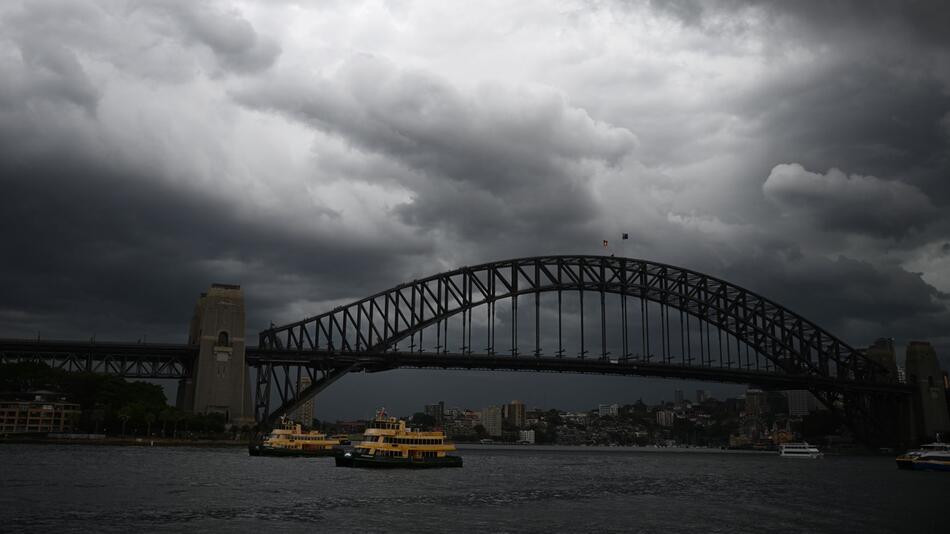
x=604, y=449
x=127, y=442
x=461, y=446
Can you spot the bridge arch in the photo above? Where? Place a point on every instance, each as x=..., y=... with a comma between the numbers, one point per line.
x=377, y=324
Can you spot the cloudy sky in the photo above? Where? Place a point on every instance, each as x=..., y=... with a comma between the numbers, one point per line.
x=316, y=152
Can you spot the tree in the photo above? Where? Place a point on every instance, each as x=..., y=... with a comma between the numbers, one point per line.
x=149, y=419
x=422, y=420
x=125, y=413
x=165, y=416
x=480, y=431
x=98, y=415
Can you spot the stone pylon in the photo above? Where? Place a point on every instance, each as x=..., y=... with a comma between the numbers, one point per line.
x=923, y=371
x=219, y=382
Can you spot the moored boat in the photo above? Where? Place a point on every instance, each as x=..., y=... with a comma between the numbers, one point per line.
x=291, y=440
x=388, y=443
x=799, y=450
x=930, y=457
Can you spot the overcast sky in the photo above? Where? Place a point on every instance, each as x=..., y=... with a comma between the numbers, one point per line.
x=317, y=152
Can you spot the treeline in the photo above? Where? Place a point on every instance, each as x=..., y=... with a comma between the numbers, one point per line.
x=110, y=404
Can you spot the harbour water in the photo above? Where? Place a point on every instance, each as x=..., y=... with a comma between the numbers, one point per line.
x=53, y=488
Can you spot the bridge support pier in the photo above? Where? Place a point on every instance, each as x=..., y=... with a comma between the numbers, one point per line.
x=219, y=381
x=923, y=372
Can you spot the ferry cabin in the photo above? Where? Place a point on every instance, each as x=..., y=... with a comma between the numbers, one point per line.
x=292, y=436
x=390, y=438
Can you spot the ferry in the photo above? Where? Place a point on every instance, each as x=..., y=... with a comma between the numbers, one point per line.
x=799, y=450
x=388, y=443
x=291, y=440
x=930, y=457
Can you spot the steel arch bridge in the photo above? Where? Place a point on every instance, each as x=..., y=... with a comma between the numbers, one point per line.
x=639, y=318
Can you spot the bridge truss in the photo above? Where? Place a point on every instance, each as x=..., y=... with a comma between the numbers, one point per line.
x=589, y=314
x=128, y=360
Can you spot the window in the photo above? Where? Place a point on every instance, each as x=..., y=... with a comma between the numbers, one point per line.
x=223, y=339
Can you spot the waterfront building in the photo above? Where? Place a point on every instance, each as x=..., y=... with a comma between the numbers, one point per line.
x=665, y=417
x=41, y=414
x=526, y=436
x=492, y=419
x=604, y=410
x=514, y=413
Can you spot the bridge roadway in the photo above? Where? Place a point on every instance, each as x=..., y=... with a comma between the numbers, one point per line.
x=370, y=362
x=129, y=360
x=166, y=360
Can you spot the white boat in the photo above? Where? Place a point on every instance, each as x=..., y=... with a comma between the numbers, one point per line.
x=932, y=456
x=799, y=450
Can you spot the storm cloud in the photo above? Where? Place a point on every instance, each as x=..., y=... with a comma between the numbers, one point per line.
x=849, y=203
x=318, y=152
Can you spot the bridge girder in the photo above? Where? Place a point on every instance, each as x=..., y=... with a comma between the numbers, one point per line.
x=797, y=353
x=128, y=360
x=378, y=323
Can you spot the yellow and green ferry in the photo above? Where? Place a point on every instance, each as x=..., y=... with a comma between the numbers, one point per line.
x=388, y=443
x=291, y=440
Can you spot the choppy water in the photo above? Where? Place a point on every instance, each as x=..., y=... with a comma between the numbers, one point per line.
x=123, y=489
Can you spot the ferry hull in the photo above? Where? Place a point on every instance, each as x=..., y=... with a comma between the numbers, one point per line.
x=922, y=466
x=269, y=451
x=397, y=463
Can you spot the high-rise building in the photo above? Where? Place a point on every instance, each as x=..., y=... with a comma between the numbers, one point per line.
x=604, y=410
x=701, y=396
x=756, y=402
x=665, y=417
x=304, y=414
x=514, y=413
x=491, y=420
x=801, y=402
x=436, y=411
x=678, y=397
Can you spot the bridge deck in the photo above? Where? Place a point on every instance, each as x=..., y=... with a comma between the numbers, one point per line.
x=166, y=360
x=392, y=360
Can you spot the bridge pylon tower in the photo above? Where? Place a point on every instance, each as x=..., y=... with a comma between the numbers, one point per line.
x=219, y=381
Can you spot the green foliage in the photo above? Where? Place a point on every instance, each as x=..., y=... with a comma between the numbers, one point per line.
x=110, y=403
x=422, y=420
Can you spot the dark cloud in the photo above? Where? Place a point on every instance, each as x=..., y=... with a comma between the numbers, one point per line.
x=236, y=45
x=903, y=22
x=484, y=161
x=148, y=149
x=836, y=201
